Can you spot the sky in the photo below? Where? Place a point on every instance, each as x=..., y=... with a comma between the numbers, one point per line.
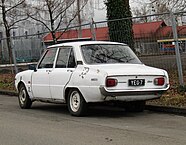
x=100, y=8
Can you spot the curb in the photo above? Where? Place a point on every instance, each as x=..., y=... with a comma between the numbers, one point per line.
x=155, y=108
x=166, y=109
x=10, y=93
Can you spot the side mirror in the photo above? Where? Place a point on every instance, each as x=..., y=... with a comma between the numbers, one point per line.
x=32, y=67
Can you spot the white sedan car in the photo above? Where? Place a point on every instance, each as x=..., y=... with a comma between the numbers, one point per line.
x=79, y=73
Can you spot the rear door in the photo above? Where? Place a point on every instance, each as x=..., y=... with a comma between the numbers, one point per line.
x=60, y=76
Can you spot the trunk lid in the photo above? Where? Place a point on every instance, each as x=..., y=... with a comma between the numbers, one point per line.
x=125, y=73
x=129, y=69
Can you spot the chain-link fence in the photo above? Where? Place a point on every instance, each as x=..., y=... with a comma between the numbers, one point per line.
x=26, y=49
x=151, y=37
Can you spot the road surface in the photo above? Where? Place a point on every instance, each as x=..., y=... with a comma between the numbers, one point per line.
x=49, y=124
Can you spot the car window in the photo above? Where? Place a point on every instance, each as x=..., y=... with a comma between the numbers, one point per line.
x=71, y=61
x=108, y=53
x=65, y=58
x=48, y=59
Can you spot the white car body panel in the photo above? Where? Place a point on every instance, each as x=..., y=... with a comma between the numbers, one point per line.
x=59, y=78
x=90, y=80
x=24, y=77
x=41, y=83
x=89, y=83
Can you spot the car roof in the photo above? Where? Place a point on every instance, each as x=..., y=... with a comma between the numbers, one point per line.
x=79, y=43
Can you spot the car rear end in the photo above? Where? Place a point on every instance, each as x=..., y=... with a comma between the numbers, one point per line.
x=127, y=78
x=134, y=87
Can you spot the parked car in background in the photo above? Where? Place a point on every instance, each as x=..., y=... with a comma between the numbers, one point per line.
x=79, y=73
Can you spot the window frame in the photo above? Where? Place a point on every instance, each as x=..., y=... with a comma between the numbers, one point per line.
x=84, y=60
x=57, y=56
x=43, y=56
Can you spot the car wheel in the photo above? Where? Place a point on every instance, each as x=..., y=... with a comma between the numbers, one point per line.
x=77, y=105
x=137, y=106
x=24, y=100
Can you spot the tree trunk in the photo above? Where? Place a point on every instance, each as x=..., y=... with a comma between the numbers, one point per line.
x=9, y=46
x=54, y=37
x=7, y=31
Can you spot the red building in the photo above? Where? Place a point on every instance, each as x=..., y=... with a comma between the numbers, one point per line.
x=146, y=35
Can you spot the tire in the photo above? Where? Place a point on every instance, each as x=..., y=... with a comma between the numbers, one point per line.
x=137, y=106
x=77, y=105
x=24, y=100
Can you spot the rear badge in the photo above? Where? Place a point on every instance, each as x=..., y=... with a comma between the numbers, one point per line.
x=94, y=79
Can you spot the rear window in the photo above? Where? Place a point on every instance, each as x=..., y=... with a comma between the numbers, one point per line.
x=108, y=53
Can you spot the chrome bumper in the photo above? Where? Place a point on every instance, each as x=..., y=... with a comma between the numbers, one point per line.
x=114, y=93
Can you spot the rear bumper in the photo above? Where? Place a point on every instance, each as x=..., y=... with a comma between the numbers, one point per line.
x=157, y=92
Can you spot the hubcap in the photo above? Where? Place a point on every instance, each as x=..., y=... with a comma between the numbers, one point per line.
x=75, y=101
x=22, y=95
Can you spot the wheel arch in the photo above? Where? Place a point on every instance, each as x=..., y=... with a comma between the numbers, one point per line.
x=67, y=90
x=24, y=99
x=19, y=84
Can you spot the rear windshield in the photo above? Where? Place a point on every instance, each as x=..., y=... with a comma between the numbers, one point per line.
x=108, y=53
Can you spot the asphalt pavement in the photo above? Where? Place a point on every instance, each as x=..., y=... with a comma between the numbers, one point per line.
x=50, y=124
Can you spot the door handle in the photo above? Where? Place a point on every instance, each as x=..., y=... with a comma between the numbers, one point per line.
x=48, y=71
x=69, y=70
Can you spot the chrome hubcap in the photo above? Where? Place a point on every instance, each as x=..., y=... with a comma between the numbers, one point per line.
x=75, y=101
x=22, y=95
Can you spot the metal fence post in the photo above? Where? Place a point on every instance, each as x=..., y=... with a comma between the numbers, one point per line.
x=1, y=52
x=178, y=57
x=92, y=30
x=14, y=58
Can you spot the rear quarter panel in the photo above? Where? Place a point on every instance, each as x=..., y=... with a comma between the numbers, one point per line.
x=88, y=81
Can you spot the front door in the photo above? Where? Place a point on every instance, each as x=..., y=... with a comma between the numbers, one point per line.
x=40, y=78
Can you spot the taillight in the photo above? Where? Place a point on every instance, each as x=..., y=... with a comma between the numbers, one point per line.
x=159, y=81
x=111, y=82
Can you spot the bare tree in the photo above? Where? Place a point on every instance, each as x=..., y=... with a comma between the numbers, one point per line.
x=153, y=7
x=142, y=12
x=161, y=6
x=12, y=13
x=55, y=13
x=171, y=5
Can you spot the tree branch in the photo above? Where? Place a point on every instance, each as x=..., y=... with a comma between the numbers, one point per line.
x=15, y=6
x=70, y=21
x=40, y=22
x=18, y=21
x=62, y=11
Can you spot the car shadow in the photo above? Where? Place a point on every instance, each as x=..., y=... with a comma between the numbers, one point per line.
x=52, y=108
x=105, y=111
x=110, y=112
